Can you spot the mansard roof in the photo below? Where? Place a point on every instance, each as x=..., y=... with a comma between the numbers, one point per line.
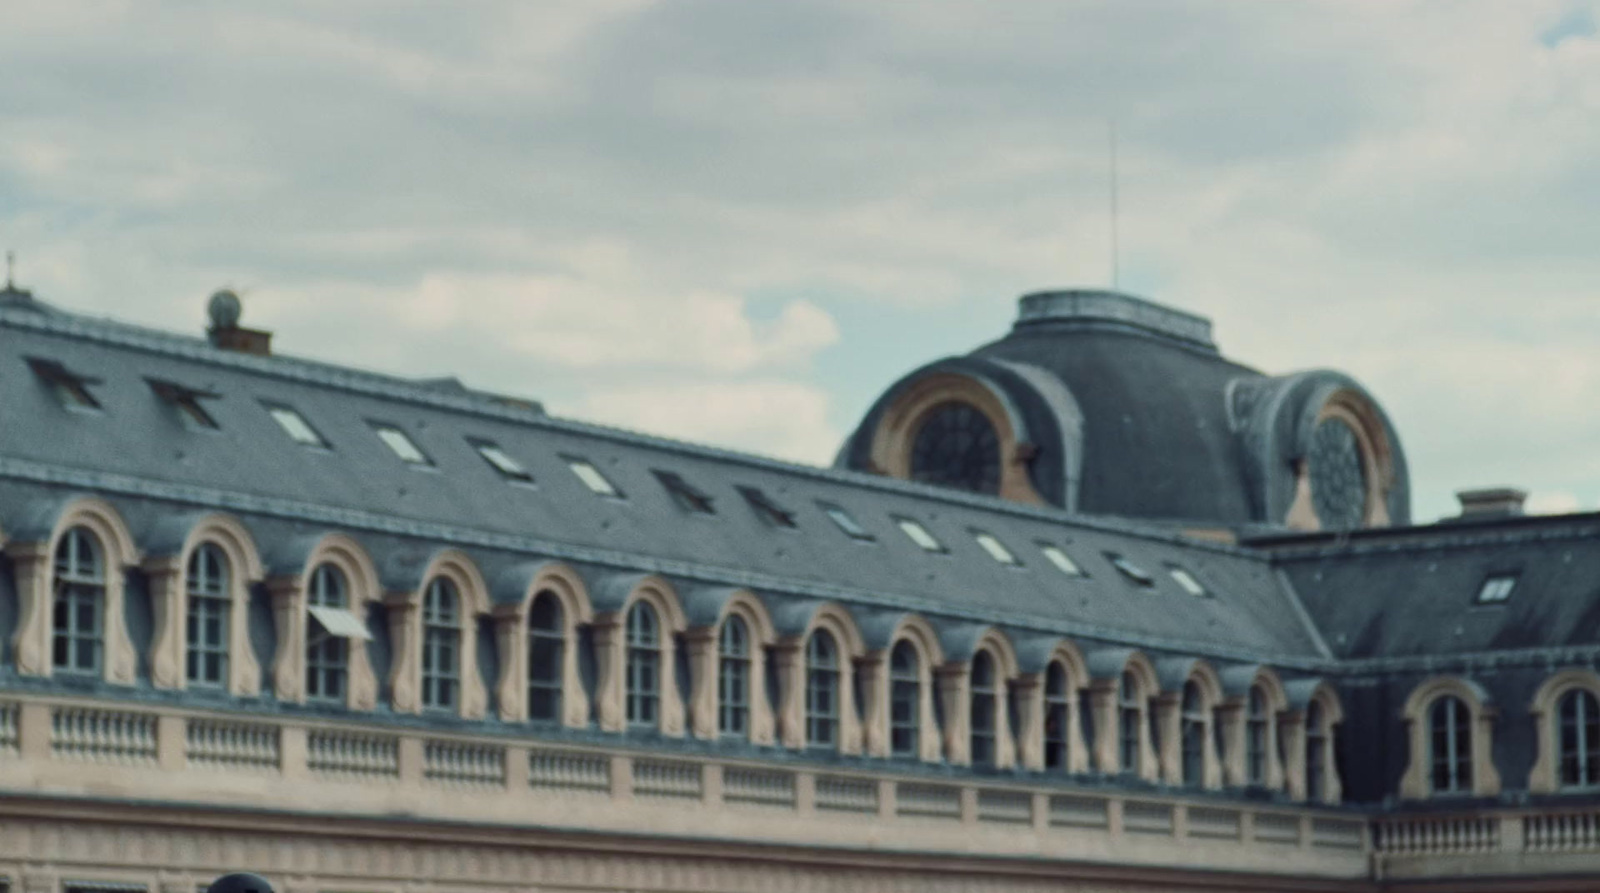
x=136, y=450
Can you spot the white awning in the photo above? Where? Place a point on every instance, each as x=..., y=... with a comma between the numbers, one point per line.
x=339, y=622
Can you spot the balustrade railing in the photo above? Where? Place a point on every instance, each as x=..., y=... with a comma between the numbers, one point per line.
x=1145, y=817
x=1562, y=832
x=353, y=755
x=932, y=800
x=1206, y=821
x=232, y=745
x=103, y=736
x=9, y=740
x=767, y=787
x=846, y=794
x=1277, y=827
x=1005, y=806
x=464, y=764
x=1445, y=834
x=565, y=770
x=667, y=778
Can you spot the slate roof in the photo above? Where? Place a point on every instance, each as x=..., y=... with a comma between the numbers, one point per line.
x=138, y=449
x=1409, y=593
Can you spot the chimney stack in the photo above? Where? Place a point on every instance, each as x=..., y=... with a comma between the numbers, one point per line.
x=1492, y=502
x=226, y=333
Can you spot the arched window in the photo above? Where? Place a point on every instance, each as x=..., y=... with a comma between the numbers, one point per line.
x=1579, y=713
x=1450, y=737
x=546, y=643
x=905, y=700
x=1192, y=734
x=1256, y=724
x=206, y=662
x=327, y=654
x=644, y=666
x=1130, y=715
x=1056, y=703
x=733, y=678
x=441, y=645
x=983, y=701
x=1316, y=752
x=80, y=585
x=822, y=690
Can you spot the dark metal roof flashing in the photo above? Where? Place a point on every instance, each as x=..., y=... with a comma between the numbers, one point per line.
x=1092, y=310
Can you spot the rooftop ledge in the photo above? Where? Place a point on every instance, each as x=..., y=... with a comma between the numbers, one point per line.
x=1096, y=309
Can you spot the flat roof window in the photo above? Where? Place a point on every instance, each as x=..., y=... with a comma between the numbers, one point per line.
x=996, y=549
x=1061, y=560
x=591, y=477
x=1130, y=570
x=401, y=443
x=1187, y=580
x=501, y=461
x=71, y=388
x=1496, y=589
x=767, y=509
x=295, y=425
x=920, y=535
x=688, y=497
x=186, y=401
x=846, y=523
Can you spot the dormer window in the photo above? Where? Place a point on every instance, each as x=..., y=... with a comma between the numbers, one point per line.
x=1128, y=569
x=920, y=535
x=186, y=401
x=845, y=522
x=1496, y=589
x=688, y=497
x=71, y=388
x=402, y=445
x=501, y=461
x=764, y=506
x=996, y=549
x=295, y=425
x=1061, y=560
x=1187, y=581
x=592, y=478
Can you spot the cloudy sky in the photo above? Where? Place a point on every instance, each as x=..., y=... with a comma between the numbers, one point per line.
x=736, y=222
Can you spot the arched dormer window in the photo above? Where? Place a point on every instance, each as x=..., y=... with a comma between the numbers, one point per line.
x=822, y=690
x=1257, y=725
x=1578, y=721
x=441, y=646
x=546, y=658
x=207, y=624
x=1450, y=746
x=1192, y=734
x=79, y=609
x=905, y=700
x=733, y=678
x=1316, y=753
x=327, y=652
x=984, y=703
x=644, y=666
x=1130, y=722
x=1057, y=717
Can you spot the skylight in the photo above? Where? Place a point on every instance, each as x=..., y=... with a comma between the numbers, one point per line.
x=296, y=426
x=501, y=461
x=1497, y=589
x=1061, y=560
x=1130, y=570
x=71, y=388
x=996, y=549
x=770, y=511
x=186, y=401
x=920, y=535
x=403, y=445
x=686, y=495
x=592, y=478
x=1187, y=581
x=846, y=523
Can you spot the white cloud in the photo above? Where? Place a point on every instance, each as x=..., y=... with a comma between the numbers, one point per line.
x=778, y=418
x=1551, y=503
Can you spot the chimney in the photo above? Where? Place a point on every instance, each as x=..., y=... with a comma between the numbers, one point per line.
x=1492, y=502
x=226, y=333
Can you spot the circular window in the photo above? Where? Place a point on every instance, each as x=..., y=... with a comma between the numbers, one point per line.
x=1338, y=473
x=957, y=447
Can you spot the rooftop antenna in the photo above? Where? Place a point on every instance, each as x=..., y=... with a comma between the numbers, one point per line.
x=1111, y=127
x=11, y=268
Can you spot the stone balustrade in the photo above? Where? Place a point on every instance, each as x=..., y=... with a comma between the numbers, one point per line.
x=306, y=764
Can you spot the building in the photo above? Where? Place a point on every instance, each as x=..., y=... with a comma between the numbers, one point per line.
x=1089, y=608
